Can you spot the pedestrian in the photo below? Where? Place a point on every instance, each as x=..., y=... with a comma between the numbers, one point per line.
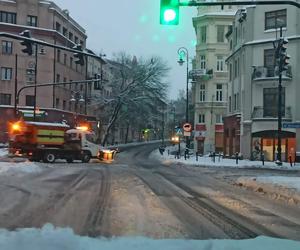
x=237, y=158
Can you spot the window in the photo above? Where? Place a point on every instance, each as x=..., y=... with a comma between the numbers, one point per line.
x=58, y=27
x=58, y=78
x=203, y=34
x=202, y=118
x=65, y=31
x=29, y=100
x=76, y=40
x=8, y=17
x=32, y=21
x=271, y=101
x=71, y=62
x=5, y=99
x=65, y=59
x=202, y=93
x=230, y=71
x=64, y=105
x=229, y=103
x=238, y=67
x=6, y=47
x=219, y=118
x=57, y=102
x=202, y=62
x=235, y=68
x=275, y=19
x=70, y=35
x=220, y=63
x=65, y=80
x=58, y=55
x=6, y=74
x=219, y=93
x=269, y=61
x=235, y=102
x=220, y=33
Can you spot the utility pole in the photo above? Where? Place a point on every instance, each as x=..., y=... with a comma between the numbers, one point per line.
x=16, y=85
x=282, y=63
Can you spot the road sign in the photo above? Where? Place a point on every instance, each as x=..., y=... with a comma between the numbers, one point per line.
x=179, y=131
x=186, y=133
x=291, y=125
x=187, y=127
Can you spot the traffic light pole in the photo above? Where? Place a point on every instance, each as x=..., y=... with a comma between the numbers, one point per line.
x=272, y=2
x=279, y=132
x=35, y=81
x=47, y=85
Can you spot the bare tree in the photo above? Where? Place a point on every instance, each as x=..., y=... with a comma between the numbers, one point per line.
x=136, y=84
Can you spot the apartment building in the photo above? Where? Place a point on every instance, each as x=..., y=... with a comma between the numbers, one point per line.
x=210, y=76
x=47, y=22
x=252, y=121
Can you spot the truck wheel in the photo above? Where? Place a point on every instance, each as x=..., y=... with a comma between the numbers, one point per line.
x=86, y=157
x=49, y=157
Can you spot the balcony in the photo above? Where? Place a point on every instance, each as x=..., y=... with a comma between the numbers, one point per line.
x=270, y=113
x=267, y=73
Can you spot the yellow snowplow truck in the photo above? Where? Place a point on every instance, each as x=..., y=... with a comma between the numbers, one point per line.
x=50, y=141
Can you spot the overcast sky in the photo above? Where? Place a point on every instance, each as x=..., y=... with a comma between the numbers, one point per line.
x=133, y=26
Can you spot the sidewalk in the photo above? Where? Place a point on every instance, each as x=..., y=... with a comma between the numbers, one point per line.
x=206, y=161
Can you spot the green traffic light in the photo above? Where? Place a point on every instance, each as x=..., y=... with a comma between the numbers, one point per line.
x=169, y=15
x=169, y=12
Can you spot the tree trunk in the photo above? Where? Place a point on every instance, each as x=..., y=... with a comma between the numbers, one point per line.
x=127, y=132
x=111, y=123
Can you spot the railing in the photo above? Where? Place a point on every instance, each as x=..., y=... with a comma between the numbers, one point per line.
x=271, y=112
x=261, y=72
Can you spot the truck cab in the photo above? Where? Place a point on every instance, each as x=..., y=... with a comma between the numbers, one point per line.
x=86, y=140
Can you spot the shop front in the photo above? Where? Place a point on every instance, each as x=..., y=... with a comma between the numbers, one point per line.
x=266, y=142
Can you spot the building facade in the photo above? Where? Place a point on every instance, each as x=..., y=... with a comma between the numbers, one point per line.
x=252, y=121
x=47, y=22
x=210, y=76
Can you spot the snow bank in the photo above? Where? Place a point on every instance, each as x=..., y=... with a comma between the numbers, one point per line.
x=3, y=151
x=12, y=168
x=207, y=161
x=50, y=238
x=281, y=187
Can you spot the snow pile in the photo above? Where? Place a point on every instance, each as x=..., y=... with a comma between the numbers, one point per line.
x=50, y=238
x=3, y=152
x=285, y=187
x=12, y=168
x=219, y=162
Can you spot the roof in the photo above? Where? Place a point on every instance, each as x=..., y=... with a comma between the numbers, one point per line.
x=61, y=125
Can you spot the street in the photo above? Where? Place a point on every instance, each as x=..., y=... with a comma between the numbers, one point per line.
x=138, y=196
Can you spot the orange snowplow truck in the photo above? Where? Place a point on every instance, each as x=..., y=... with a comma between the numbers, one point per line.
x=51, y=141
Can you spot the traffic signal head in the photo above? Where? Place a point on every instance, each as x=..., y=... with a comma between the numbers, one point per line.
x=97, y=82
x=283, y=56
x=79, y=58
x=28, y=44
x=169, y=12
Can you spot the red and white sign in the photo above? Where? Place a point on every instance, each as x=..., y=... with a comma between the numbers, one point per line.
x=187, y=127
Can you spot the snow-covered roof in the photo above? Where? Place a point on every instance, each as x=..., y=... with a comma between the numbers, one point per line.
x=62, y=125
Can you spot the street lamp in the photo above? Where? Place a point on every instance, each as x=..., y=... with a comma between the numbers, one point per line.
x=183, y=52
x=76, y=98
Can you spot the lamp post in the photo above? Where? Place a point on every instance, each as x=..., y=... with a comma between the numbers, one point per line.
x=183, y=52
x=76, y=98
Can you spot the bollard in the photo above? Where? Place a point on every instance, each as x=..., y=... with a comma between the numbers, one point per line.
x=263, y=158
x=290, y=160
x=197, y=156
x=214, y=156
x=219, y=157
x=236, y=158
x=168, y=152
